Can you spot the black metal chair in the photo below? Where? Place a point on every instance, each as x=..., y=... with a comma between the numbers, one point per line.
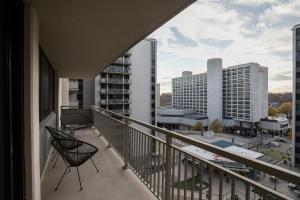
x=76, y=156
x=57, y=134
x=75, y=121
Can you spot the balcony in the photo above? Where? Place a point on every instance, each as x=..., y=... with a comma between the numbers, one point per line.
x=73, y=86
x=112, y=182
x=122, y=111
x=115, y=81
x=73, y=103
x=115, y=70
x=115, y=101
x=134, y=164
x=123, y=61
x=115, y=91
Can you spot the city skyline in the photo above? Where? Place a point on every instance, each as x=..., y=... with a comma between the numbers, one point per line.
x=236, y=31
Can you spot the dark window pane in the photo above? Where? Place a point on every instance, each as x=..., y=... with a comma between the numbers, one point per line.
x=46, y=86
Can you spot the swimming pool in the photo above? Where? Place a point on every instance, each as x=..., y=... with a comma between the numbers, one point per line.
x=224, y=144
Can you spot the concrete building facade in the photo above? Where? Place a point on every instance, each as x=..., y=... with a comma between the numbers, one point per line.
x=214, y=89
x=77, y=92
x=128, y=85
x=296, y=97
x=238, y=93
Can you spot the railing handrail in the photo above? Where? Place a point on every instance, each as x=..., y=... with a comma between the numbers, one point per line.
x=283, y=174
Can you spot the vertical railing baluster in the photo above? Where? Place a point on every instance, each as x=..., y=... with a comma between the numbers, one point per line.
x=158, y=179
x=143, y=158
x=201, y=180
x=168, y=167
x=185, y=175
x=140, y=154
x=173, y=171
x=179, y=175
x=221, y=186
x=209, y=182
x=155, y=168
x=126, y=144
x=193, y=179
x=150, y=161
x=163, y=172
x=247, y=191
x=146, y=160
x=232, y=188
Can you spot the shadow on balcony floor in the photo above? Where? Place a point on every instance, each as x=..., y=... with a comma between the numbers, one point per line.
x=111, y=183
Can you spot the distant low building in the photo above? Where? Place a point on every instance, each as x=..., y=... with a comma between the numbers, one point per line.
x=180, y=119
x=276, y=125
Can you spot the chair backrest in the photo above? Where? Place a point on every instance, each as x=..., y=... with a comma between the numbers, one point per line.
x=57, y=134
x=75, y=118
x=81, y=152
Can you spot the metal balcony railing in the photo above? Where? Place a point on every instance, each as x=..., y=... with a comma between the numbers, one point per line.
x=73, y=85
x=115, y=91
x=171, y=172
x=122, y=111
x=117, y=70
x=115, y=81
x=123, y=61
x=115, y=101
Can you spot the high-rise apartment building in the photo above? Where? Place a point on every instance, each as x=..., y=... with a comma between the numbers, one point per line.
x=245, y=92
x=190, y=92
x=112, y=86
x=77, y=92
x=128, y=85
x=238, y=92
x=296, y=96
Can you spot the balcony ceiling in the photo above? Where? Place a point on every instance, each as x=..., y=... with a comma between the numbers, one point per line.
x=81, y=37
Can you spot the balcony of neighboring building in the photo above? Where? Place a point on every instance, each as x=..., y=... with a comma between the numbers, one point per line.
x=123, y=61
x=115, y=80
x=73, y=86
x=117, y=70
x=115, y=101
x=73, y=103
x=115, y=91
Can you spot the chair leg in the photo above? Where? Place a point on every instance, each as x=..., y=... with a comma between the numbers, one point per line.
x=56, y=160
x=95, y=165
x=79, y=178
x=61, y=178
x=54, y=155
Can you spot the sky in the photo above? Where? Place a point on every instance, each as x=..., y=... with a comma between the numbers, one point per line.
x=238, y=31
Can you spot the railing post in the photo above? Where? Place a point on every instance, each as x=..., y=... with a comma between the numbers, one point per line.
x=126, y=144
x=168, y=167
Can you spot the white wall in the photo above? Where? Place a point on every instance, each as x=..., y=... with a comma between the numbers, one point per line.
x=141, y=82
x=65, y=91
x=259, y=92
x=214, y=89
x=31, y=105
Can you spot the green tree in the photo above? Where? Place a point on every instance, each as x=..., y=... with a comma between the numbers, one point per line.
x=197, y=127
x=286, y=108
x=272, y=111
x=216, y=126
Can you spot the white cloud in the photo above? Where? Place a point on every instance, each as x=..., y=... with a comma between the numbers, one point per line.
x=237, y=31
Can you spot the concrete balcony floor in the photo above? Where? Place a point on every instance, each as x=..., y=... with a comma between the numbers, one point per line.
x=111, y=183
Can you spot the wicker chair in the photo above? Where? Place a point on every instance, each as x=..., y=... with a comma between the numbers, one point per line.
x=57, y=134
x=76, y=156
